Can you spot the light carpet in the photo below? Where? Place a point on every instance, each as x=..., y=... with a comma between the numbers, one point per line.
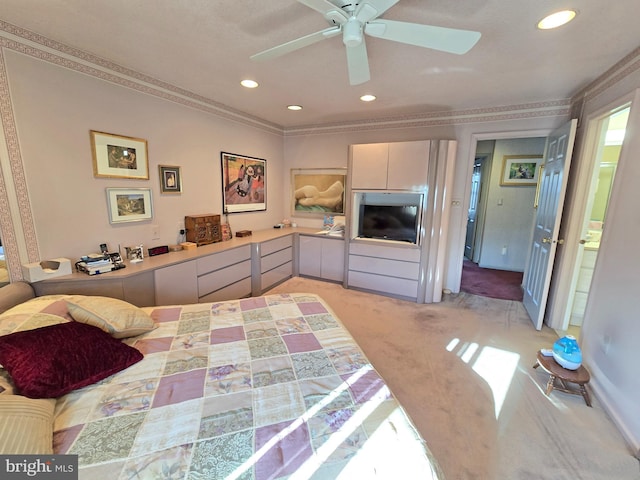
x=463, y=371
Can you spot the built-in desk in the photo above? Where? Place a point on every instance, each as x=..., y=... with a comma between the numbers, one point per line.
x=236, y=268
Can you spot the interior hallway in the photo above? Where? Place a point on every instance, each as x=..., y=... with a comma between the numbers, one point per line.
x=487, y=282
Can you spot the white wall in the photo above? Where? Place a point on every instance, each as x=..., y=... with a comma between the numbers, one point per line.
x=510, y=213
x=611, y=328
x=54, y=110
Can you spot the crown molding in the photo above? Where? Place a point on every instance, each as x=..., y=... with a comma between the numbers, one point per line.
x=37, y=46
x=552, y=108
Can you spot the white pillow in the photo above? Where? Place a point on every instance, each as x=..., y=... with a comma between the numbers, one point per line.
x=118, y=318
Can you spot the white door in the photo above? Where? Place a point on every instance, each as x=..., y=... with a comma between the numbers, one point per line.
x=553, y=185
x=470, y=240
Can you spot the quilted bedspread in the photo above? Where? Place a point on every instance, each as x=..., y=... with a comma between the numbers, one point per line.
x=260, y=388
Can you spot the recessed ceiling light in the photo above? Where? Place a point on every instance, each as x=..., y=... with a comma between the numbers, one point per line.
x=556, y=20
x=249, y=83
x=368, y=98
x=294, y=107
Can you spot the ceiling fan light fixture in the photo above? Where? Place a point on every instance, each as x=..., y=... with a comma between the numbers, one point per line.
x=352, y=33
x=556, y=19
x=368, y=98
x=249, y=83
x=294, y=107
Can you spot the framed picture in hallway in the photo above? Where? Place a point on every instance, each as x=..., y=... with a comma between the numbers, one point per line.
x=244, y=183
x=520, y=170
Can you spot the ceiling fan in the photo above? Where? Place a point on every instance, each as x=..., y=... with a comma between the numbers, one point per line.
x=359, y=17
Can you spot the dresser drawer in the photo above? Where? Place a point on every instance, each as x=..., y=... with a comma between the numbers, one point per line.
x=217, y=261
x=269, y=262
x=218, y=279
x=271, y=246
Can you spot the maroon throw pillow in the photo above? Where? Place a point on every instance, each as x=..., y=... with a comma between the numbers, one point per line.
x=51, y=361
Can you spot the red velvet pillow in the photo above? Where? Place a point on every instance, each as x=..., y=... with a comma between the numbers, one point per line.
x=50, y=361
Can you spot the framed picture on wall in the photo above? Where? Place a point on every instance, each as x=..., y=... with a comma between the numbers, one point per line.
x=244, y=183
x=117, y=156
x=520, y=170
x=317, y=192
x=170, y=179
x=129, y=204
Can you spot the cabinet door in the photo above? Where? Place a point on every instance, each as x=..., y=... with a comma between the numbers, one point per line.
x=408, y=165
x=310, y=256
x=369, y=165
x=332, y=259
x=177, y=284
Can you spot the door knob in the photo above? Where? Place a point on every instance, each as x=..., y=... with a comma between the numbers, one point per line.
x=546, y=240
x=582, y=241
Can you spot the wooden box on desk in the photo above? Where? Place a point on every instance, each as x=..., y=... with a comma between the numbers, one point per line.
x=203, y=229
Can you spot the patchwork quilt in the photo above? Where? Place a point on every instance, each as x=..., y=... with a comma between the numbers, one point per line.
x=261, y=388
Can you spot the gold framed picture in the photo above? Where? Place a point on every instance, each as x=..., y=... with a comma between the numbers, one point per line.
x=522, y=170
x=317, y=191
x=117, y=156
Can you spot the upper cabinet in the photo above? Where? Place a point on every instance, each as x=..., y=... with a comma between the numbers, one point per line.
x=390, y=166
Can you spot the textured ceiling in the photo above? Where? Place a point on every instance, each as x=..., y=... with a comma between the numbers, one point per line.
x=204, y=46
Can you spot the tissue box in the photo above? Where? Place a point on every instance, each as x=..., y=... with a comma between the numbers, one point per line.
x=56, y=267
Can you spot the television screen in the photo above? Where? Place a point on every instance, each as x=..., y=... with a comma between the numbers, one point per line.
x=389, y=222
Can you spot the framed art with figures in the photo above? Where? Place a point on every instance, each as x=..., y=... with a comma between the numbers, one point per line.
x=317, y=192
x=117, y=156
x=244, y=183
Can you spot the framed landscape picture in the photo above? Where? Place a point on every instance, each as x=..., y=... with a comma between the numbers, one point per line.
x=129, y=204
x=520, y=170
x=116, y=156
x=317, y=192
x=244, y=183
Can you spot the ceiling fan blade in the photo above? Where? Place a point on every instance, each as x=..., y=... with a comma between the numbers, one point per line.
x=358, y=64
x=370, y=9
x=449, y=40
x=296, y=44
x=322, y=6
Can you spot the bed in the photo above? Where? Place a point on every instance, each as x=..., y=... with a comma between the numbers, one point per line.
x=267, y=387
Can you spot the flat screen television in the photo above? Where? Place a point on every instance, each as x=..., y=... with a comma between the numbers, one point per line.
x=389, y=222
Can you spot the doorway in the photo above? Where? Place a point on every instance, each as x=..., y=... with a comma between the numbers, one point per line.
x=475, y=215
x=499, y=218
x=610, y=136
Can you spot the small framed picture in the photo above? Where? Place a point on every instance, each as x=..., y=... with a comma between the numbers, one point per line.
x=129, y=204
x=170, y=179
x=520, y=170
x=116, y=156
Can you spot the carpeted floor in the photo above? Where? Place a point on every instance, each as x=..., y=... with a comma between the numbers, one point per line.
x=463, y=371
x=490, y=283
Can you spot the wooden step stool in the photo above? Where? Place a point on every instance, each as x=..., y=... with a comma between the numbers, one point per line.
x=557, y=372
